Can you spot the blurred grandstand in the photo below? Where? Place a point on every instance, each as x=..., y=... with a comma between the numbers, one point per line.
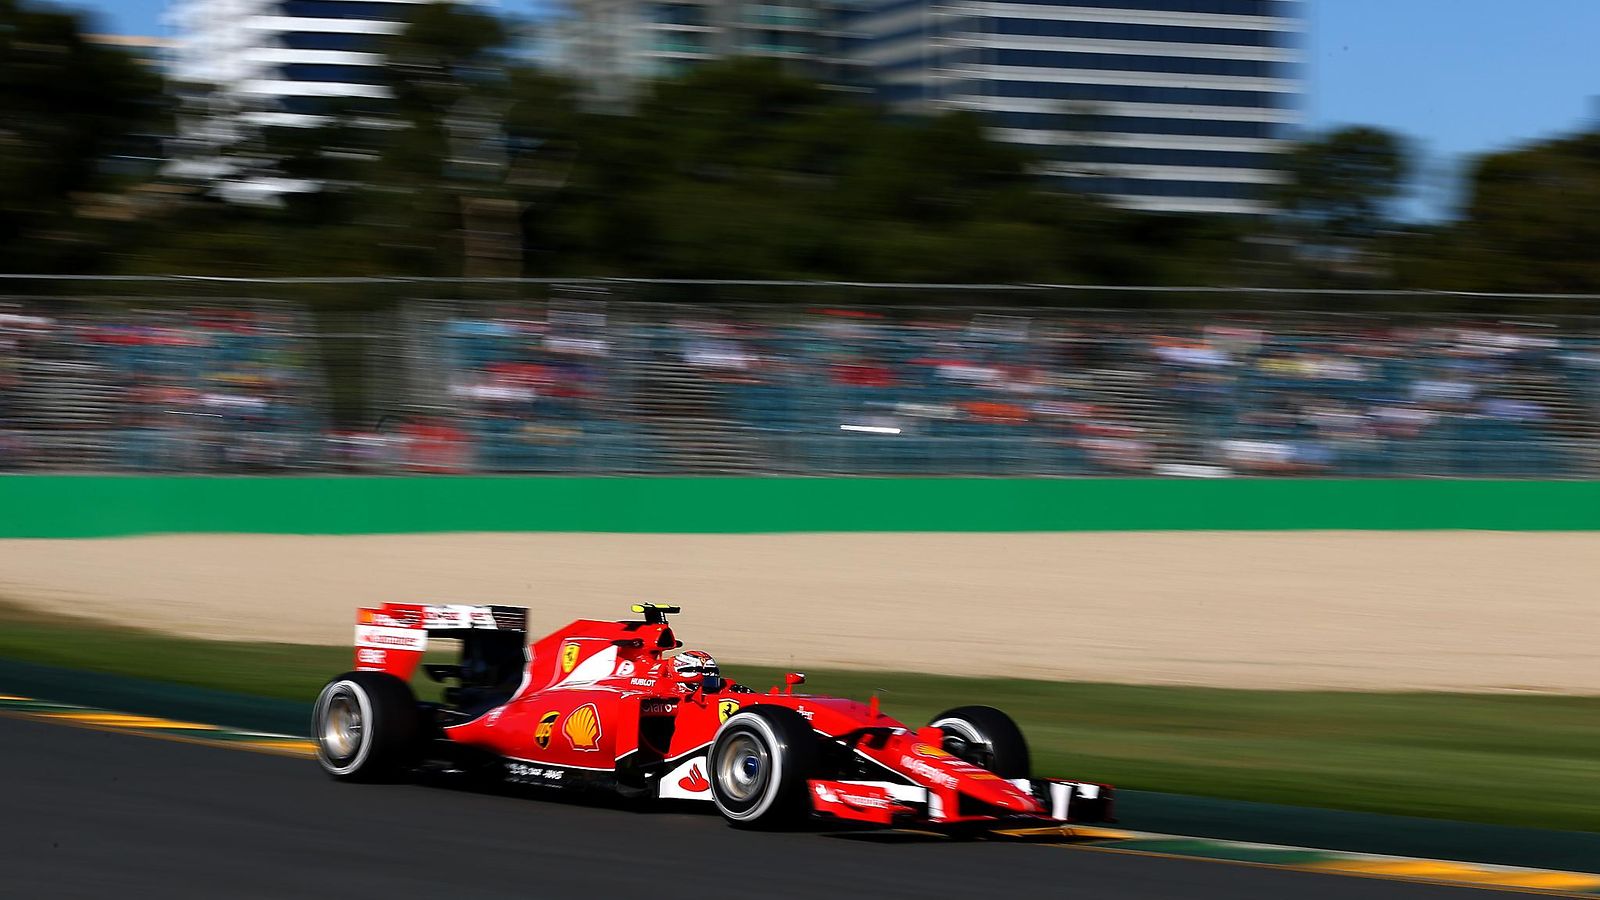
x=211, y=389
x=588, y=387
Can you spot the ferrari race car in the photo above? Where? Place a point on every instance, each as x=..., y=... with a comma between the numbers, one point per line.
x=612, y=706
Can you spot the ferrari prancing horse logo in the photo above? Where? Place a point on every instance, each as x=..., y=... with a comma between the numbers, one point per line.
x=569, y=657
x=726, y=708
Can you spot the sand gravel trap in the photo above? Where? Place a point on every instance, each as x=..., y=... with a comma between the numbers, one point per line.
x=1447, y=610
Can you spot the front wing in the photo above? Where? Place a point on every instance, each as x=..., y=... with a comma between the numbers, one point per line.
x=894, y=803
x=891, y=803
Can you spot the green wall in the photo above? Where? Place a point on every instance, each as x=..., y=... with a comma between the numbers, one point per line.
x=50, y=506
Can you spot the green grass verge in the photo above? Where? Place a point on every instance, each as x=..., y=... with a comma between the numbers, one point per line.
x=1505, y=759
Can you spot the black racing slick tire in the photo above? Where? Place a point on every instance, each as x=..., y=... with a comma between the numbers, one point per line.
x=366, y=726
x=985, y=737
x=760, y=762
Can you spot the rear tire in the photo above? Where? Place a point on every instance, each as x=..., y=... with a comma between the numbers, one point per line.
x=985, y=737
x=366, y=726
x=760, y=763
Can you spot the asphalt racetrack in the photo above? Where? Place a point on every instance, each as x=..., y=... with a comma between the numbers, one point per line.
x=97, y=814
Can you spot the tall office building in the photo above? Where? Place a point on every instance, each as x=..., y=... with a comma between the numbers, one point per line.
x=1161, y=105
x=612, y=47
x=242, y=64
x=282, y=61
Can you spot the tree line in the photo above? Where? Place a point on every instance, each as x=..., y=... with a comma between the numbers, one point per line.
x=486, y=165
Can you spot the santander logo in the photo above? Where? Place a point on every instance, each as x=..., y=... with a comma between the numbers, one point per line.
x=694, y=781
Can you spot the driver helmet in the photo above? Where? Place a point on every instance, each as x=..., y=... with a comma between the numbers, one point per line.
x=697, y=669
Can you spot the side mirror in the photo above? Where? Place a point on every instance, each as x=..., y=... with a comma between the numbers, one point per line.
x=793, y=678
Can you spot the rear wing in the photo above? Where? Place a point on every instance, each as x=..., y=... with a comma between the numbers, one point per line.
x=392, y=637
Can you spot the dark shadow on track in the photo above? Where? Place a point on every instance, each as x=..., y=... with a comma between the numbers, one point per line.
x=95, y=814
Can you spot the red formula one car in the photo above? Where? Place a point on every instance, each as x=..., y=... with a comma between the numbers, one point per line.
x=606, y=705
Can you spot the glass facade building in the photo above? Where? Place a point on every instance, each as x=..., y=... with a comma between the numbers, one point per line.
x=1160, y=105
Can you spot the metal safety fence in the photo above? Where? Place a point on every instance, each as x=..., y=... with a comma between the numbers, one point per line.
x=639, y=377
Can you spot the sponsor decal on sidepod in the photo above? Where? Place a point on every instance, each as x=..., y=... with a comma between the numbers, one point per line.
x=661, y=707
x=547, y=726
x=582, y=728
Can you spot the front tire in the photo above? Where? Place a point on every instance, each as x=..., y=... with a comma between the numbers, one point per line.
x=366, y=727
x=760, y=765
x=987, y=738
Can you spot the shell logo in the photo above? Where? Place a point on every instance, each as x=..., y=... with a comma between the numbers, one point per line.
x=930, y=750
x=569, y=657
x=547, y=726
x=582, y=728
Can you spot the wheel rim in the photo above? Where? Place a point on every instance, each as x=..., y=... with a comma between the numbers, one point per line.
x=742, y=767
x=342, y=726
x=966, y=743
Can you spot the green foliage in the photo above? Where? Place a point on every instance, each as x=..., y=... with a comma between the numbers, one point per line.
x=736, y=169
x=1528, y=224
x=1337, y=204
x=1342, y=182
x=1532, y=219
x=65, y=106
x=739, y=170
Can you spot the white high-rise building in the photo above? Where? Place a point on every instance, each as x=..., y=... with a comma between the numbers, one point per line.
x=1159, y=105
x=281, y=61
x=251, y=63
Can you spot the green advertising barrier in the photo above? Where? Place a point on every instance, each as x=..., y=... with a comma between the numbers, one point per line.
x=53, y=506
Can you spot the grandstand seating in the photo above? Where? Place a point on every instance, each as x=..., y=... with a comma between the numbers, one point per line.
x=1055, y=395
x=195, y=390
x=1050, y=393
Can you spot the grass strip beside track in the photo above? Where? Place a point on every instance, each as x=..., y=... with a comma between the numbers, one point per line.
x=1506, y=759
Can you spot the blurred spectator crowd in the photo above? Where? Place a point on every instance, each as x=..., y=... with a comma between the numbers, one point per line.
x=201, y=390
x=819, y=392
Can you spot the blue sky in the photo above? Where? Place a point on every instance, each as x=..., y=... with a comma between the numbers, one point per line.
x=1457, y=77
